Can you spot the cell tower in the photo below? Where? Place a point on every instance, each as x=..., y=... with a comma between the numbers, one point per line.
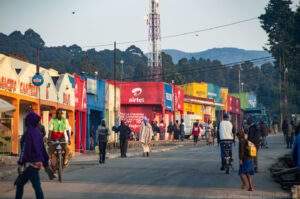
x=154, y=38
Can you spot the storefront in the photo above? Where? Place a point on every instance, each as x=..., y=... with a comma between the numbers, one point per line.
x=18, y=91
x=80, y=114
x=248, y=100
x=214, y=92
x=95, y=107
x=234, y=109
x=110, y=106
x=140, y=99
x=224, y=94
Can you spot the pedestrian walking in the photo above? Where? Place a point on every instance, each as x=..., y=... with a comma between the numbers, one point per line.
x=182, y=130
x=176, y=130
x=125, y=131
x=263, y=130
x=170, y=131
x=162, y=130
x=145, y=136
x=288, y=131
x=196, y=132
x=42, y=129
x=33, y=157
x=92, y=133
x=208, y=133
x=275, y=124
x=102, y=137
x=246, y=162
x=255, y=137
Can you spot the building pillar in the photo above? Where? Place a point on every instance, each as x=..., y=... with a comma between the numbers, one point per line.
x=15, y=132
x=72, y=124
x=36, y=108
x=83, y=131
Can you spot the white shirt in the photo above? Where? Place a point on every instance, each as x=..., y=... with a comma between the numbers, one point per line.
x=226, y=130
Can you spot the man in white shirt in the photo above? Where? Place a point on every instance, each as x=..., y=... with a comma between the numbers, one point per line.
x=225, y=135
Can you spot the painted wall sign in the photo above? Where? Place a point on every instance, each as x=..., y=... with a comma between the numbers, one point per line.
x=37, y=80
x=8, y=83
x=28, y=89
x=66, y=98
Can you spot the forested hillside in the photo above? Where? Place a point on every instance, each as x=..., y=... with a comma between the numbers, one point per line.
x=261, y=80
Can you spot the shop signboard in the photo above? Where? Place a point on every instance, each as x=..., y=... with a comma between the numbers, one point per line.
x=142, y=93
x=168, y=92
x=251, y=100
x=213, y=92
x=37, y=80
x=233, y=105
x=80, y=93
x=91, y=86
x=26, y=85
x=179, y=99
x=134, y=115
x=224, y=93
x=195, y=89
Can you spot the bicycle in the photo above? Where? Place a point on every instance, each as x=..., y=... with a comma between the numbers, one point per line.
x=60, y=156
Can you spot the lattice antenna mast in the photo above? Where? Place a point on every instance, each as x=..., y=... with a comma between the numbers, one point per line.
x=154, y=38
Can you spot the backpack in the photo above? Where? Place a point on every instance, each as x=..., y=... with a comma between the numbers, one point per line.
x=250, y=149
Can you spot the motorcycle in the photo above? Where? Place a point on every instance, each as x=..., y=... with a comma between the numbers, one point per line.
x=227, y=147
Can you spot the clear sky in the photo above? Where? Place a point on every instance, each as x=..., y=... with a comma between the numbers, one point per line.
x=97, y=22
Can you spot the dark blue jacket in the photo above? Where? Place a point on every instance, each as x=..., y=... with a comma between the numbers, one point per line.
x=32, y=145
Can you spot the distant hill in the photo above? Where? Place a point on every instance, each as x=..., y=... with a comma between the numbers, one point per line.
x=225, y=55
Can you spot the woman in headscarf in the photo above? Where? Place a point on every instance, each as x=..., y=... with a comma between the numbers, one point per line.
x=102, y=134
x=146, y=136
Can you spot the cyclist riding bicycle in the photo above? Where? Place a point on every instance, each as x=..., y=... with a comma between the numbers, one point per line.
x=226, y=136
x=57, y=127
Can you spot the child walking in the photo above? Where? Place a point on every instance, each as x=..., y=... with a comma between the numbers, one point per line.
x=195, y=132
x=246, y=162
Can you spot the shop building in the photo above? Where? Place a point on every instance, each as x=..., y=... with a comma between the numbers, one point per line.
x=248, y=99
x=16, y=89
x=214, y=92
x=140, y=99
x=95, y=107
x=80, y=114
x=234, y=109
x=110, y=107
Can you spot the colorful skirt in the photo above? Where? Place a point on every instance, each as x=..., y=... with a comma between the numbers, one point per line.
x=247, y=167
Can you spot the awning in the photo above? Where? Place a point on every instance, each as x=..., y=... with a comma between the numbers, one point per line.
x=196, y=101
x=5, y=106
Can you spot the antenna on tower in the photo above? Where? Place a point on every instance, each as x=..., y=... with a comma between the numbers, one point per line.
x=154, y=39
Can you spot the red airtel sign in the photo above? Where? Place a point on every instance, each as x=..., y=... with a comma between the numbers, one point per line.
x=142, y=93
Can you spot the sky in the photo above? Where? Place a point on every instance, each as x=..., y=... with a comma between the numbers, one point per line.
x=98, y=22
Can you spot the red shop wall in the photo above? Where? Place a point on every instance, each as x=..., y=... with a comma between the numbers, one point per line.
x=142, y=93
x=133, y=115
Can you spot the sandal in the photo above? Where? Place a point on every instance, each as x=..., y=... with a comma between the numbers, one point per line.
x=244, y=186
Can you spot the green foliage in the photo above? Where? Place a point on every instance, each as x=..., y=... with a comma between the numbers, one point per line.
x=282, y=27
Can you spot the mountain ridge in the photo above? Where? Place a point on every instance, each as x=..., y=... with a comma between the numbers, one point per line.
x=225, y=55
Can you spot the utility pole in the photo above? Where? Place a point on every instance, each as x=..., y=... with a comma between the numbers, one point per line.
x=115, y=83
x=280, y=103
x=239, y=80
x=37, y=73
x=174, y=114
x=286, y=90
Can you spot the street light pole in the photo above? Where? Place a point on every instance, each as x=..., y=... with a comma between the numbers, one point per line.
x=115, y=83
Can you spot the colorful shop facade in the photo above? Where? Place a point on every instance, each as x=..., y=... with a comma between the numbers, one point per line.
x=17, y=89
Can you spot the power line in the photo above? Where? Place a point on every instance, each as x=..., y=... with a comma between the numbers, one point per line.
x=174, y=35
x=207, y=68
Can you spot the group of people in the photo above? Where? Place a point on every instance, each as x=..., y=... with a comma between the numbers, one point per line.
x=176, y=131
x=34, y=154
x=209, y=130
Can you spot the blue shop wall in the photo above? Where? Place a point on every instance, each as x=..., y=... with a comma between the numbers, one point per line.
x=95, y=107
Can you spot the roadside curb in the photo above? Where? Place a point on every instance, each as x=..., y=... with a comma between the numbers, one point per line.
x=117, y=155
